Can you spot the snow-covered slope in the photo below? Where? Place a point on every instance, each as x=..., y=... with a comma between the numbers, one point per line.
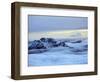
x=48, y=51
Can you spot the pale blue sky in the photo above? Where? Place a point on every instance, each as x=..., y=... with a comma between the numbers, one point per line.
x=38, y=23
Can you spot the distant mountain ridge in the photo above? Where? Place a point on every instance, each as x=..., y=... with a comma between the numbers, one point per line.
x=44, y=44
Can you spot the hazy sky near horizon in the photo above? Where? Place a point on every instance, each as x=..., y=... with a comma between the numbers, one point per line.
x=38, y=23
x=58, y=34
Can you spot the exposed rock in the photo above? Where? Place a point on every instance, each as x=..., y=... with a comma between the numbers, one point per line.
x=43, y=39
x=78, y=41
x=47, y=39
x=86, y=46
x=37, y=44
x=62, y=44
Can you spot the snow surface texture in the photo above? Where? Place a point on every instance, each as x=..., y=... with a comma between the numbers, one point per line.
x=50, y=52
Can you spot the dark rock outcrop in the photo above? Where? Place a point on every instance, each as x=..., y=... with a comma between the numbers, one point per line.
x=86, y=46
x=44, y=43
x=47, y=40
x=37, y=44
x=78, y=41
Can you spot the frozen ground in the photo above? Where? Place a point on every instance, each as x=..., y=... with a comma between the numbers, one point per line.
x=74, y=53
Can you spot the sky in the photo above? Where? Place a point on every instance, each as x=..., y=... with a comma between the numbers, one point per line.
x=40, y=23
x=58, y=34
